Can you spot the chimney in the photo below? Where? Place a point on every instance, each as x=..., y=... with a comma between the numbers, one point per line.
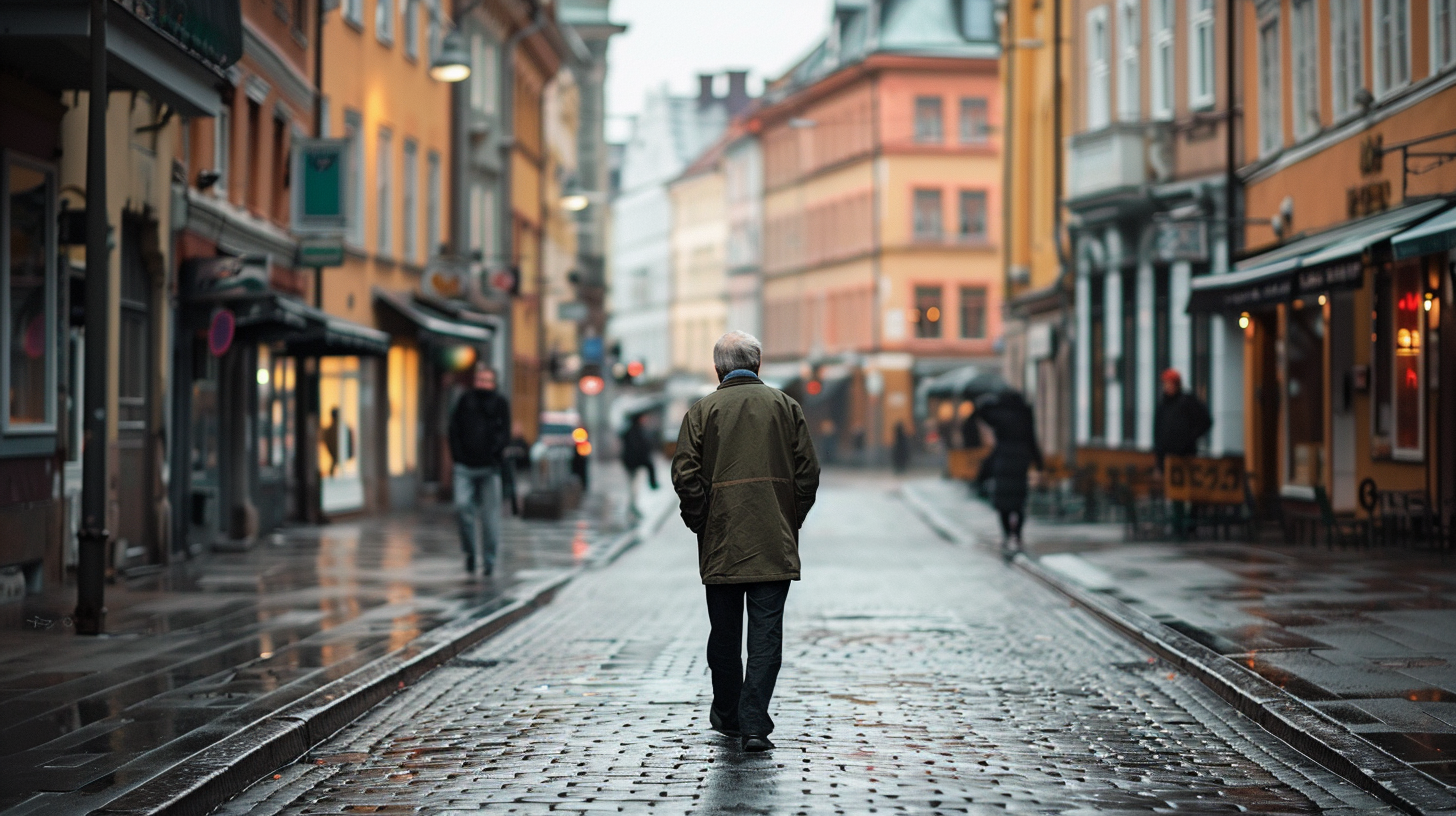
x=705, y=91
x=737, y=92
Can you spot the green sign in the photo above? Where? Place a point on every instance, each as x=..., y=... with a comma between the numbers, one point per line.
x=318, y=252
x=320, y=186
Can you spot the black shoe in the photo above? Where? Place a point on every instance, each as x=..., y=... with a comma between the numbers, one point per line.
x=470, y=564
x=718, y=725
x=489, y=569
x=756, y=744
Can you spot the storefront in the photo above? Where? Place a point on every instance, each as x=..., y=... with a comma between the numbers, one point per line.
x=1340, y=330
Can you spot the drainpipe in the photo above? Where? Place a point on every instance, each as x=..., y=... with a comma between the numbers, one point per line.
x=90, y=615
x=1065, y=263
x=507, y=211
x=1230, y=210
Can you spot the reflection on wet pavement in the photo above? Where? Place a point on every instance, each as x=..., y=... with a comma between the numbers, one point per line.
x=205, y=647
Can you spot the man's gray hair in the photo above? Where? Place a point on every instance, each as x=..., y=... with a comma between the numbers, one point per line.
x=735, y=350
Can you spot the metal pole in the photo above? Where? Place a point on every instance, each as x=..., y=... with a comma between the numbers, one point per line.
x=90, y=616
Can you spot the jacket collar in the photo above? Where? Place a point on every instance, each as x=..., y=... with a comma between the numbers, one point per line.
x=741, y=376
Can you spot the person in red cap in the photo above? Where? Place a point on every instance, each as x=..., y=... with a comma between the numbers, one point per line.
x=1177, y=426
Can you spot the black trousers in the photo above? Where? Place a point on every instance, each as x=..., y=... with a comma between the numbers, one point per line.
x=1011, y=522
x=740, y=699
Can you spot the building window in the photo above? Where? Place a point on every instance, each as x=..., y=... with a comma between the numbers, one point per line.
x=482, y=74
x=354, y=12
x=1304, y=41
x=1392, y=45
x=1443, y=34
x=384, y=185
x=927, y=312
x=409, y=28
x=433, y=32
x=1271, y=116
x=28, y=292
x=409, y=203
x=928, y=128
x=354, y=132
x=928, y=216
x=973, y=313
x=404, y=374
x=432, y=205
x=1347, y=50
x=1304, y=394
x=1129, y=53
x=221, y=150
x=976, y=121
x=1099, y=77
x=384, y=21
x=1408, y=324
x=1162, y=59
x=252, y=150
x=1200, y=53
x=278, y=181
x=973, y=215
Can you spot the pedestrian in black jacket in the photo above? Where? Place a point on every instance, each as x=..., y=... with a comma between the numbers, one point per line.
x=1180, y=421
x=637, y=455
x=1006, y=468
x=480, y=428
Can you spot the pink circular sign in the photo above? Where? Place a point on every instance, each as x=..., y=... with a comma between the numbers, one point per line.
x=220, y=332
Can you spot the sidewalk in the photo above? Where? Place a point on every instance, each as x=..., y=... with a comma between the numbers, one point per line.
x=1365, y=638
x=209, y=647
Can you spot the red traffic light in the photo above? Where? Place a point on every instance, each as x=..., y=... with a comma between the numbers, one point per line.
x=591, y=385
x=635, y=368
x=814, y=387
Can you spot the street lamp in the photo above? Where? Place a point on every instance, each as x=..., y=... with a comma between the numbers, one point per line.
x=452, y=64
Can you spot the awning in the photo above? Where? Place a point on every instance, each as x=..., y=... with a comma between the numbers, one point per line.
x=303, y=330
x=433, y=324
x=1435, y=235
x=1329, y=261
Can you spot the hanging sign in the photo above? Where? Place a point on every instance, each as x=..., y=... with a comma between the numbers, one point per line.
x=220, y=331
x=320, y=186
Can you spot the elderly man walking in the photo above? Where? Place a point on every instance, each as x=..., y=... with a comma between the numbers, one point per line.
x=746, y=475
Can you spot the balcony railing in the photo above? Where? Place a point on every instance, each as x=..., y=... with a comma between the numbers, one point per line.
x=211, y=31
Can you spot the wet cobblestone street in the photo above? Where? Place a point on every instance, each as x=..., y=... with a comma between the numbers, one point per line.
x=918, y=678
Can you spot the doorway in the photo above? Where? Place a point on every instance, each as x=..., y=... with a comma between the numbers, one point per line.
x=136, y=528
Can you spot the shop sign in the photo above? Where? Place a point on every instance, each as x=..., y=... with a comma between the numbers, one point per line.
x=1368, y=199
x=1182, y=241
x=320, y=192
x=321, y=252
x=1040, y=341
x=1346, y=275
x=1204, y=480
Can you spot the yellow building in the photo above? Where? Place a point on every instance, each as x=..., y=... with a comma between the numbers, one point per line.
x=1038, y=297
x=699, y=242
x=561, y=328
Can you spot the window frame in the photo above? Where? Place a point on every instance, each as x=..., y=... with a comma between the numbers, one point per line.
x=924, y=236
x=1346, y=58
x=922, y=103
x=352, y=12
x=222, y=149
x=968, y=237
x=409, y=28
x=1304, y=45
x=932, y=329
x=1202, y=64
x=1099, y=69
x=985, y=294
x=31, y=431
x=1436, y=63
x=1162, y=60
x=409, y=221
x=384, y=191
x=433, y=211
x=1129, y=60
x=1270, y=77
x=1385, y=85
x=972, y=130
x=384, y=13
x=356, y=236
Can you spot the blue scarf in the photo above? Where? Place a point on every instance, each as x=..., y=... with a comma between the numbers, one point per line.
x=739, y=372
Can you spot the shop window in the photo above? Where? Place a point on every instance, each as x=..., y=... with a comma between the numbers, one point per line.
x=28, y=289
x=404, y=373
x=928, y=129
x=1382, y=338
x=1408, y=324
x=927, y=312
x=928, y=216
x=1304, y=392
x=276, y=378
x=973, y=312
x=1128, y=362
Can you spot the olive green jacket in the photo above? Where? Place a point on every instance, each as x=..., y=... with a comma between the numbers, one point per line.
x=746, y=475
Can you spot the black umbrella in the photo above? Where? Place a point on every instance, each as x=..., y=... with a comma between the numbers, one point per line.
x=982, y=385
x=1008, y=415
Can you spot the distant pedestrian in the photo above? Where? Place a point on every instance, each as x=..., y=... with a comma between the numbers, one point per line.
x=900, y=452
x=746, y=475
x=515, y=458
x=637, y=455
x=480, y=428
x=1180, y=421
x=1016, y=452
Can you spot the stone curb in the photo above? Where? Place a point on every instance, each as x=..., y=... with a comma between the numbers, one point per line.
x=197, y=785
x=1306, y=730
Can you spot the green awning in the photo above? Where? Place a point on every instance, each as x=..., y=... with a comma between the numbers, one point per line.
x=1436, y=235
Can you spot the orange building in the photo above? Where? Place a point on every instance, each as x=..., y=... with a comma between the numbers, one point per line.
x=1348, y=190
x=882, y=185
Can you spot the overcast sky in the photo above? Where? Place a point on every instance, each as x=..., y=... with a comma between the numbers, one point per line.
x=672, y=41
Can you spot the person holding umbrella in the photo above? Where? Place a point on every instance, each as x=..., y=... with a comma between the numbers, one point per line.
x=1009, y=417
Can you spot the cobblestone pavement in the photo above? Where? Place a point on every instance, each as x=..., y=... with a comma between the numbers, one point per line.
x=918, y=678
